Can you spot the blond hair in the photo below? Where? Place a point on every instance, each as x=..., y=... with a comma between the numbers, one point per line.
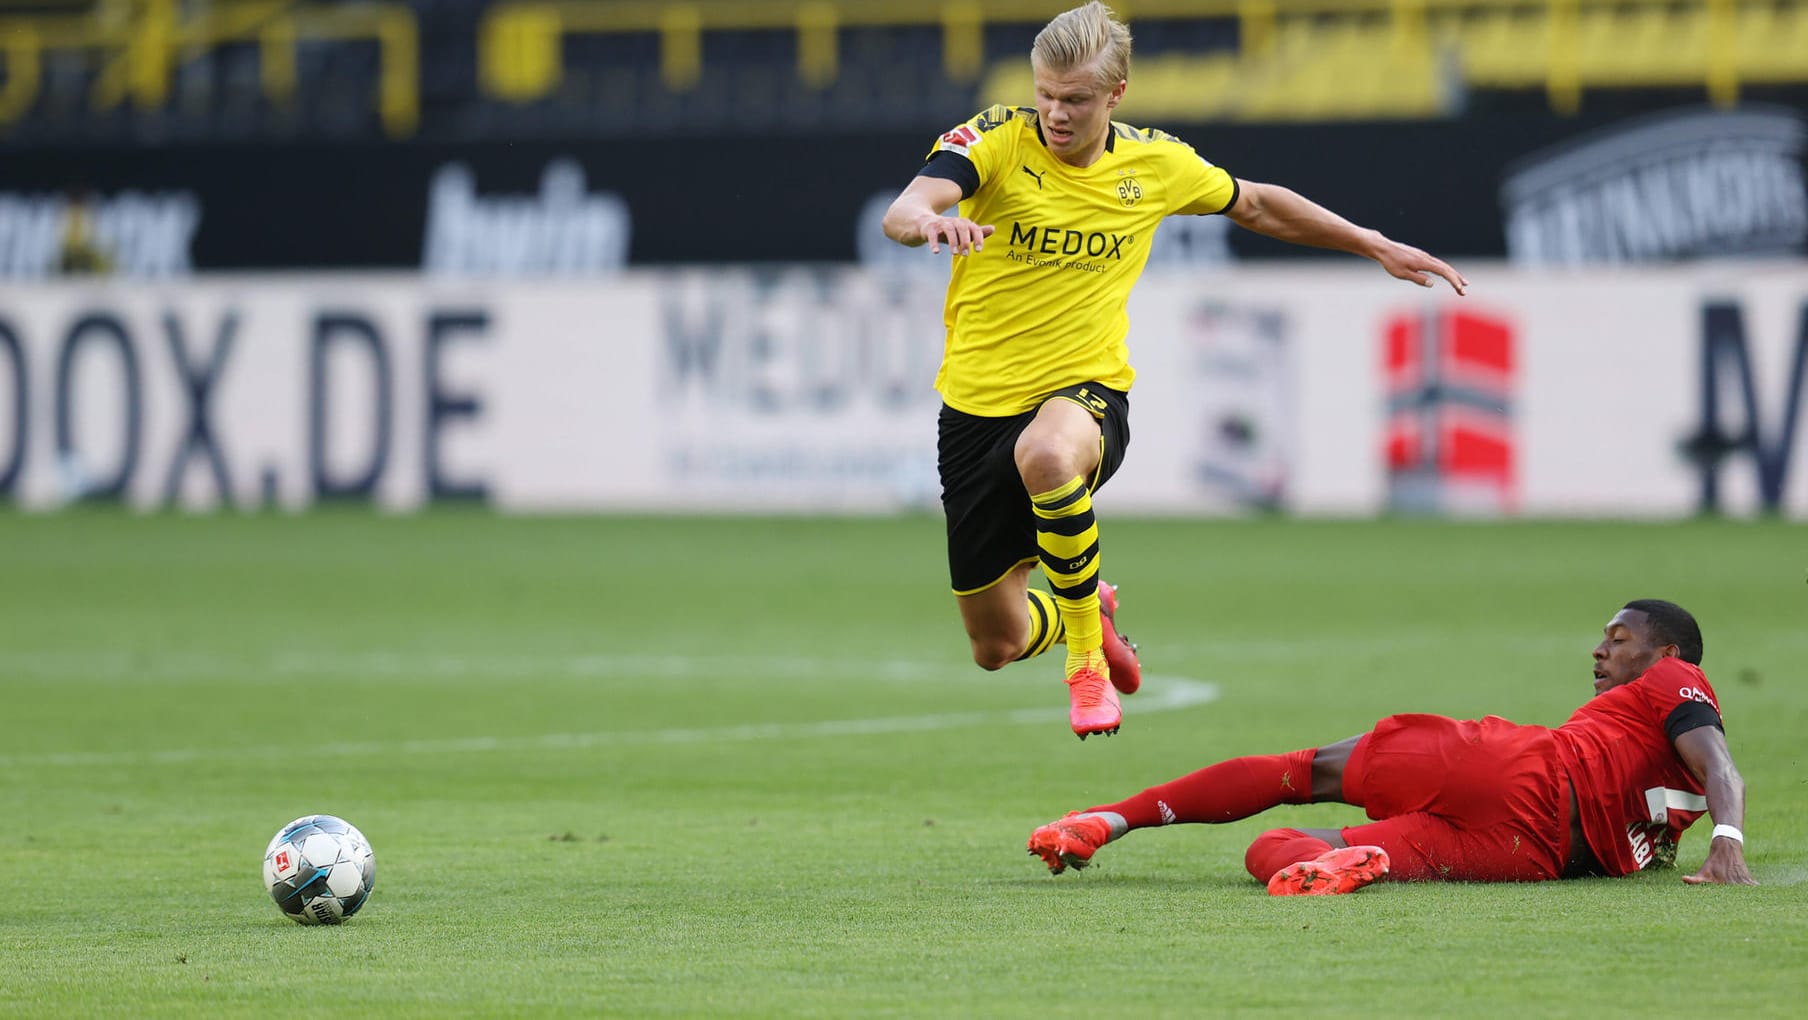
x=1082, y=36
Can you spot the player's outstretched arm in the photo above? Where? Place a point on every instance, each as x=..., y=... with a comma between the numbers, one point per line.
x=1287, y=216
x=915, y=218
x=1704, y=751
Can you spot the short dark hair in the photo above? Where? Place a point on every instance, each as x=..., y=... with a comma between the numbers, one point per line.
x=1671, y=624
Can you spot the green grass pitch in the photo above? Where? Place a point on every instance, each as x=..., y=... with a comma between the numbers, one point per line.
x=744, y=767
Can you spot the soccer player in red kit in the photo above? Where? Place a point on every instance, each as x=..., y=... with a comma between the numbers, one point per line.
x=1607, y=793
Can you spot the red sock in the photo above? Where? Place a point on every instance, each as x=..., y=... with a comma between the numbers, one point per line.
x=1224, y=792
x=1277, y=848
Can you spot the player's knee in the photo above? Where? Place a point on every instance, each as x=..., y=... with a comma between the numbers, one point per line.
x=992, y=654
x=1044, y=461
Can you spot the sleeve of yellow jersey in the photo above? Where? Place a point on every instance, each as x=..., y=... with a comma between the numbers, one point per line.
x=1200, y=188
x=984, y=140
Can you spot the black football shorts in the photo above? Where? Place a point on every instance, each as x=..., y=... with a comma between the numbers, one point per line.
x=991, y=528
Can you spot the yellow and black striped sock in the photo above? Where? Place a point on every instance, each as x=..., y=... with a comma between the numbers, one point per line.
x=1068, y=537
x=1046, y=630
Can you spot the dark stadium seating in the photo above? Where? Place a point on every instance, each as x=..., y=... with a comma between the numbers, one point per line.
x=466, y=70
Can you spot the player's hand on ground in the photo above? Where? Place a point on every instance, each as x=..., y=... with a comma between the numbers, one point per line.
x=1725, y=866
x=962, y=235
x=1405, y=262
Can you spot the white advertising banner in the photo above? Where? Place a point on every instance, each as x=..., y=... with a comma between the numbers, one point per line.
x=291, y=391
x=1330, y=390
x=1544, y=393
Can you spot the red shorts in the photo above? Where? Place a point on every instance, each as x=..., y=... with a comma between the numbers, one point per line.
x=1479, y=801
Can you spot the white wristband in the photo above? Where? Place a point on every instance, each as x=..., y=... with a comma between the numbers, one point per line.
x=1730, y=832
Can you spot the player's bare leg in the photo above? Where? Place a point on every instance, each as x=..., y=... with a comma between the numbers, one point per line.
x=998, y=619
x=1328, y=763
x=1056, y=456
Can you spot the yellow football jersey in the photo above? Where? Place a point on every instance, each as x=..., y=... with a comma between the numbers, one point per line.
x=1043, y=305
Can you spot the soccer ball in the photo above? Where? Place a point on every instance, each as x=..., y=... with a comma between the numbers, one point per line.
x=319, y=869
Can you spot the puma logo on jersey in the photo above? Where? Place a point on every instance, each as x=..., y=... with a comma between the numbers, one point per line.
x=1036, y=175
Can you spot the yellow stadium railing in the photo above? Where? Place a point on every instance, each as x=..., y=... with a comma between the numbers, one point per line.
x=1302, y=58
x=1562, y=46
x=20, y=47
x=137, y=45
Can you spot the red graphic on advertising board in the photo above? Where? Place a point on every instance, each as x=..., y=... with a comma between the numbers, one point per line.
x=1449, y=442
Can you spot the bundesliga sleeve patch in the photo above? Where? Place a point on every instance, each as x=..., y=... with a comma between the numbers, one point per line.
x=958, y=140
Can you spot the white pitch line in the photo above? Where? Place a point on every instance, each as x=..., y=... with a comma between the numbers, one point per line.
x=434, y=668
x=1163, y=694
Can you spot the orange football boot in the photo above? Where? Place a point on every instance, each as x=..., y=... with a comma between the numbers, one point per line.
x=1070, y=842
x=1343, y=870
x=1120, y=651
x=1092, y=702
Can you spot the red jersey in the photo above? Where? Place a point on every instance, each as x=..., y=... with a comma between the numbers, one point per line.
x=1633, y=791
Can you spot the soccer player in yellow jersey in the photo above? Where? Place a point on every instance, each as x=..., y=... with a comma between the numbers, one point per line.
x=1057, y=206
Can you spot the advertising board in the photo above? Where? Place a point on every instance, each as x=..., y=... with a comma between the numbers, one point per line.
x=1322, y=390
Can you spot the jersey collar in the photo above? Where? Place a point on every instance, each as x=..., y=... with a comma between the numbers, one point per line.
x=1110, y=135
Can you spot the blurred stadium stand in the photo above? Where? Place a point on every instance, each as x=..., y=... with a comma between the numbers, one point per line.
x=137, y=71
